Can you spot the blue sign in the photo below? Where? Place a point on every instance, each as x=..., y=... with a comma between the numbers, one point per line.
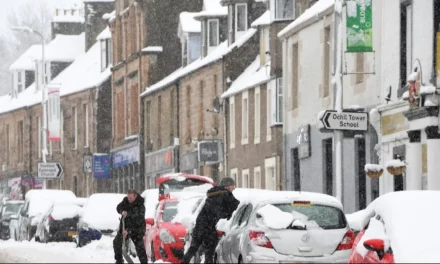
x=101, y=166
x=125, y=157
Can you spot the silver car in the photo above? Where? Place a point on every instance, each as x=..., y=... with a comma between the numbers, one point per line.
x=289, y=227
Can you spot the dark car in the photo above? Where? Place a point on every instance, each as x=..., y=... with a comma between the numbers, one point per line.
x=59, y=223
x=9, y=208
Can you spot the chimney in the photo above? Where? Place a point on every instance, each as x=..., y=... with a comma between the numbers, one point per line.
x=94, y=24
x=68, y=21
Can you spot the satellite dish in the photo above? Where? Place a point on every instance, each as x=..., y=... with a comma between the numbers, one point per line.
x=216, y=104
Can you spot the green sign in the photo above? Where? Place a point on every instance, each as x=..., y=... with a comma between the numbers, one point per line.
x=359, y=26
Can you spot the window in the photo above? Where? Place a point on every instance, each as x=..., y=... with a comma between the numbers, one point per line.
x=86, y=125
x=295, y=168
x=257, y=119
x=20, y=82
x=232, y=121
x=20, y=140
x=270, y=179
x=279, y=100
x=213, y=34
x=75, y=128
x=184, y=52
x=159, y=113
x=244, y=219
x=284, y=9
x=148, y=123
x=328, y=166
x=245, y=179
x=62, y=131
x=245, y=118
x=194, y=47
x=230, y=24
x=7, y=145
x=109, y=52
x=39, y=136
x=234, y=175
x=201, y=112
x=268, y=114
x=75, y=185
x=106, y=53
x=241, y=23
x=134, y=108
x=257, y=178
x=295, y=83
x=406, y=35
x=326, y=77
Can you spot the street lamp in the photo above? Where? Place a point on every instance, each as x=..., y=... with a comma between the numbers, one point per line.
x=43, y=90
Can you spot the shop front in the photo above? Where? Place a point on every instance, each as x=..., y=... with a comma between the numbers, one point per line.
x=158, y=163
x=125, y=168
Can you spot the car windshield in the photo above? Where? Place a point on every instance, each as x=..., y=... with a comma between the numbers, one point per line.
x=326, y=217
x=169, y=211
x=11, y=208
x=174, y=185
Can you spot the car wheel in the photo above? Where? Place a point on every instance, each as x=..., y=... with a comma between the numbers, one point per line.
x=28, y=235
x=37, y=239
x=216, y=259
x=240, y=260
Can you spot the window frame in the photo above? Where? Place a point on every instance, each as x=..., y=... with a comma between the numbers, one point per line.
x=103, y=55
x=245, y=118
x=257, y=115
x=240, y=33
x=245, y=183
x=217, y=37
x=257, y=170
x=232, y=127
x=275, y=13
x=279, y=101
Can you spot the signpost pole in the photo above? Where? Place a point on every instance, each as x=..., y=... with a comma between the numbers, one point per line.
x=338, y=134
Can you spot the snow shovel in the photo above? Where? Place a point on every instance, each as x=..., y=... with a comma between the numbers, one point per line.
x=125, y=244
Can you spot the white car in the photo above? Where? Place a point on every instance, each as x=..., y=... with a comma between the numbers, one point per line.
x=287, y=227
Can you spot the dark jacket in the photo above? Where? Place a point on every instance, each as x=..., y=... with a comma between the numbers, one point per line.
x=220, y=203
x=135, y=220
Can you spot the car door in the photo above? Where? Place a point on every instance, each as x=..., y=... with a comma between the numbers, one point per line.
x=238, y=237
x=229, y=236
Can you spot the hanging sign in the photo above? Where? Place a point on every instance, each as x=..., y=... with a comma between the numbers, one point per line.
x=359, y=18
x=53, y=113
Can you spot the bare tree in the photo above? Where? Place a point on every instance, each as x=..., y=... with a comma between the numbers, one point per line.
x=34, y=14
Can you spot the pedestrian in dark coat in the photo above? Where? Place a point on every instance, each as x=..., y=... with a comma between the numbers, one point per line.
x=133, y=208
x=220, y=203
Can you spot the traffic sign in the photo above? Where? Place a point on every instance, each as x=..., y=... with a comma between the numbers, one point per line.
x=345, y=120
x=50, y=170
x=88, y=162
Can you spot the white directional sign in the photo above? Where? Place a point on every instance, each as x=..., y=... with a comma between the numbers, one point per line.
x=345, y=120
x=50, y=170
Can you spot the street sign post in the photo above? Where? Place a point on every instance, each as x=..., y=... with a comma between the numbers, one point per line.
x=345, y=120
x=50, y=170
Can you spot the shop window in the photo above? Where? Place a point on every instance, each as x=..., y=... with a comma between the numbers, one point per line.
x=296, y=173
x=328, y=166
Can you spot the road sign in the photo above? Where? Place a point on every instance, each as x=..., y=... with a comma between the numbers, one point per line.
x=88, y=162
x=345, y=120
x=50, y=170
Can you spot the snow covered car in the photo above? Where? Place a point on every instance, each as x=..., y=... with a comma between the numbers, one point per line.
x=398, y=227
x=59, y=223
x=164, y=239
x=37, y=202
x=176, y=182
x=286, y=227
x=9, y=208
x=98, y=217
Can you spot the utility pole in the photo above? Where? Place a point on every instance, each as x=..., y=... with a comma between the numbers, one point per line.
x=338, y=135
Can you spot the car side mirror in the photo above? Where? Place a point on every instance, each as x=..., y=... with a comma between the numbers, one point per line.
x=14, y=217
x=377, y=245
x=149, y=221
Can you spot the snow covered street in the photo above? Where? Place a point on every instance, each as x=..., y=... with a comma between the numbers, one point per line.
x=32, y=252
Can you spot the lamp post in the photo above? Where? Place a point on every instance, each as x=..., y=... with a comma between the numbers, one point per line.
x=43, y=91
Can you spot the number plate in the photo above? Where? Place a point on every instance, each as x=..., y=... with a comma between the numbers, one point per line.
x=71, y=234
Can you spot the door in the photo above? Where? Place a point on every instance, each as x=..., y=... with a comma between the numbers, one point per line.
x=238, y=238
x=227, y=240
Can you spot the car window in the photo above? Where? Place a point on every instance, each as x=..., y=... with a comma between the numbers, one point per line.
x=169, y=212
x=156, y=217
x=245, y=217
x=237, y=217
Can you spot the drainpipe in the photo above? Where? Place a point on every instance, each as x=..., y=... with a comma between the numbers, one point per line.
x=177, y=153
x=225, y=145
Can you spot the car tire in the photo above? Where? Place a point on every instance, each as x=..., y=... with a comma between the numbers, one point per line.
x=28, y=235
x=240, y=260
x=37, y=239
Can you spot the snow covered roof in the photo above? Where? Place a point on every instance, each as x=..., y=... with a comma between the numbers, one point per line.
x=188, y=24
x=215, y=55
x=109, y=16
x=105, y=34
x=263, y=20
x=65, y=48
x=26, y=60
x=212, y=8
x=68, y=19
x=254, y=75
x=83, y=73
x=314, y=11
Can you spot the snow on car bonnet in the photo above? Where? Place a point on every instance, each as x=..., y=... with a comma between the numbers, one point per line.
x=100, y=211
x=412, y=224
x=65, y=211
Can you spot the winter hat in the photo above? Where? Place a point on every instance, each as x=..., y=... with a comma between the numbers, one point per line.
x=227, y=181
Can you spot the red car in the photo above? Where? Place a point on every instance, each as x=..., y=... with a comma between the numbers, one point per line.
x=375, y=254
x=164, y=239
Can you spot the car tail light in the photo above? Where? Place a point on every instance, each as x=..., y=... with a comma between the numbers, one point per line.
x=51, y=218
x=259, y=239
x=347, y=241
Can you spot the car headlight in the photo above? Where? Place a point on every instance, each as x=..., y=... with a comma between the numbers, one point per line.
x=166, y=237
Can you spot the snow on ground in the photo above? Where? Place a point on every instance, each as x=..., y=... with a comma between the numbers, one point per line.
x=100, y=251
